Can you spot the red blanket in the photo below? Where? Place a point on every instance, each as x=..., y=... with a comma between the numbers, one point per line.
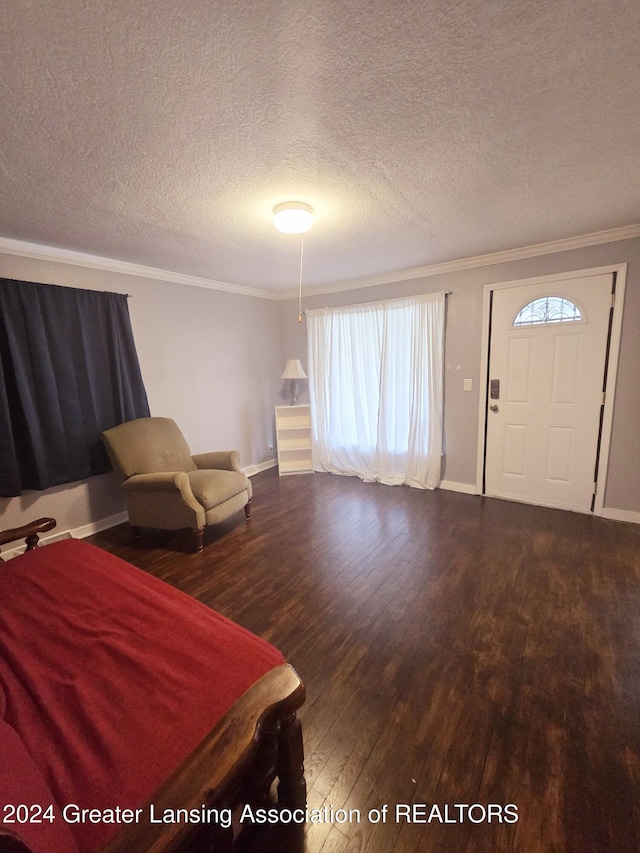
x=111, y=677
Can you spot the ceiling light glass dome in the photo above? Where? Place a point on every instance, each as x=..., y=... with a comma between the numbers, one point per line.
x=293, y=217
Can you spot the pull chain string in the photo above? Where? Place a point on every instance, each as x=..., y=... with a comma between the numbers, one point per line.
x=300, y=281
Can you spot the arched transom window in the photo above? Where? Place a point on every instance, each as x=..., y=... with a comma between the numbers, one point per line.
x=547, y=309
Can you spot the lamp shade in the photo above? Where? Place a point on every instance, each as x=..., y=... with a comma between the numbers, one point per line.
x=293, y=370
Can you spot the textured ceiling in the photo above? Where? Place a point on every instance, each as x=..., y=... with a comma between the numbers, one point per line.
x=163, y=132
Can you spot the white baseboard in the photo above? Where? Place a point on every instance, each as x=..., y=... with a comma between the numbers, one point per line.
x=621, y=515
x=97, y=526
x=451, y=486
x=75, y=533
x=607, y=512
x=252, y=470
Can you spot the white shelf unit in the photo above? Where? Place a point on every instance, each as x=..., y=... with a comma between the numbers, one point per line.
x=293, y=437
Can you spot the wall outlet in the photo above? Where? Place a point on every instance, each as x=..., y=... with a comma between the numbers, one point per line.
x=269, y=446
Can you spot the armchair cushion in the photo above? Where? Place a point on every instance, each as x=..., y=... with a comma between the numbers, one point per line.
x=212, y=487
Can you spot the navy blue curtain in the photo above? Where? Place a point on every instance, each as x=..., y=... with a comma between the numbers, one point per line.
x=68, y=370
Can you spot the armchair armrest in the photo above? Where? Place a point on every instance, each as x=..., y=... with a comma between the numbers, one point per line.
x=163, y=499
x=165, y=482
x=226, y=460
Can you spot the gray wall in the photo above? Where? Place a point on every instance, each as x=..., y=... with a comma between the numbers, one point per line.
x=463, y=348
x=210, y=360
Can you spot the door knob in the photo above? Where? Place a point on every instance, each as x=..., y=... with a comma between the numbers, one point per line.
x=494, y=407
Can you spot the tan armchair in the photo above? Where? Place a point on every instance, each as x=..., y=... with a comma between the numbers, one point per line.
x=166, y=487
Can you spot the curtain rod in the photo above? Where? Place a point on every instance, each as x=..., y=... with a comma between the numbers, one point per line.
x=446, y=293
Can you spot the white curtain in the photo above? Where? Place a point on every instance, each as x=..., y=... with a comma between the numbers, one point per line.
x=376, y=387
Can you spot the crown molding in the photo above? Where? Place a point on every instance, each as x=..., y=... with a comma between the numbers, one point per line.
x=627, y=232
x=68, y=256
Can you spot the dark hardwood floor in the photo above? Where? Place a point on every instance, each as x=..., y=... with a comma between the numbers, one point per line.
x=455, y=650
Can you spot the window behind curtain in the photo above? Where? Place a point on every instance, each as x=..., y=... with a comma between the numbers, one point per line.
x=376, y=387
x=68, y=370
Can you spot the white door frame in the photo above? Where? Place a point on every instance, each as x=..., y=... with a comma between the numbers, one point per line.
x=614, y=352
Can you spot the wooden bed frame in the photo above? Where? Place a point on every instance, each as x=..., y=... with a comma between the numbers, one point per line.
x=254, y=755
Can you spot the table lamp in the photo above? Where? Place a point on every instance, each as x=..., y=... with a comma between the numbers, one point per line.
x=293, y=371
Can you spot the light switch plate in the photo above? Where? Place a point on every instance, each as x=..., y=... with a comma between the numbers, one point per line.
x=468, y=383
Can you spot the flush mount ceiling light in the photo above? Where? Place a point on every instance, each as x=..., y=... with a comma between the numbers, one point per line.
x=293, y=217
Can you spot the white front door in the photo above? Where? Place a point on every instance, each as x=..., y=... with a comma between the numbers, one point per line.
x=545, y=390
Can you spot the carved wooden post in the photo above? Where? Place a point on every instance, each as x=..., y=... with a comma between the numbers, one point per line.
x=212, y=838
x=292, y=787
x=29, y=531
x=32, y=541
